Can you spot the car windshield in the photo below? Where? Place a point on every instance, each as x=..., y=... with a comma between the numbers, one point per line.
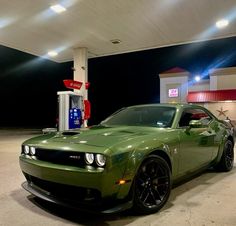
x=154, y=116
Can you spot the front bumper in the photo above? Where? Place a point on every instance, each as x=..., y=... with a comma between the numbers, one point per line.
x=127, y=204
x=94, y=190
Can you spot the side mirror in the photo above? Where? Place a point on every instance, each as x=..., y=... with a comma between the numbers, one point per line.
x=195, y=124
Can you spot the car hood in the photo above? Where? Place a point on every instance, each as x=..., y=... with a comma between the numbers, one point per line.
x=103, y=136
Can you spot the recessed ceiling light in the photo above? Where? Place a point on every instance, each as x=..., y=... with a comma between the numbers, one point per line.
x=58, y=8
x=197, y=78
x=115, y=41
x=222, y=23
x=52, y=53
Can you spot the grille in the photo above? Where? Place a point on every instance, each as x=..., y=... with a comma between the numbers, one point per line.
x=71, y=193
x=61, y=157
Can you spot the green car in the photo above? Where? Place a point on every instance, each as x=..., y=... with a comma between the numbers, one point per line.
x=129, y=160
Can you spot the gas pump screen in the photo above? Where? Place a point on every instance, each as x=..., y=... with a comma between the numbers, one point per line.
x=173, y=93
x=75, y=118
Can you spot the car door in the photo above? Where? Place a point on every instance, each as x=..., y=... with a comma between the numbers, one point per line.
x=196, y=144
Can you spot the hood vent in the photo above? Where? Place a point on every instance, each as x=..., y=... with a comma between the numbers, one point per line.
x=70, y=133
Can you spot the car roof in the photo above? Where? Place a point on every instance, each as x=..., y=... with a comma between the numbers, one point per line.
x=176, y=105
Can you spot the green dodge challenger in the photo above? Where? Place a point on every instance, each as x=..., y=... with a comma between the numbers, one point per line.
x=129, y=160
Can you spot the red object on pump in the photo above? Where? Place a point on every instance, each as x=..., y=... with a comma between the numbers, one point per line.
x=87, y=109
x=87, y=84
x=71, y=84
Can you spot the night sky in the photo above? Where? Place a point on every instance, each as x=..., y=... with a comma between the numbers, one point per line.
x=28, y=84
x=28, y=89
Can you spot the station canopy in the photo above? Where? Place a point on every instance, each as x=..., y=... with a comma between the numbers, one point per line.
x=109, y=27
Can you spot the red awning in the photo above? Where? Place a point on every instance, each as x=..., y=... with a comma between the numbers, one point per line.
x=174, y=70
x=211, y=95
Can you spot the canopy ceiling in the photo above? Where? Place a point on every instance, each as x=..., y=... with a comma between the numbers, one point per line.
x=31, y=26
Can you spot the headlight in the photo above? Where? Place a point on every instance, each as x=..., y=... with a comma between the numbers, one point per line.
x=100, y=160
x=26, y=150
x=89, y=158
x=32, y=150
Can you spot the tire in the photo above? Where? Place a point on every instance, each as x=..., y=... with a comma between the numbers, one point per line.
x=152, y=185
x=227, y=159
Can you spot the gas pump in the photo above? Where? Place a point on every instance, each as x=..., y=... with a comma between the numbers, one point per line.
x=74, y=111
x=70, y=110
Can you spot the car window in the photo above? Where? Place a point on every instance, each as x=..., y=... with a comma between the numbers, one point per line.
x=154, y=116
x=194, y=114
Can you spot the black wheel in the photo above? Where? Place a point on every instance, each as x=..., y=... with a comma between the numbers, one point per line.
x=152, y=185
x=227, y=160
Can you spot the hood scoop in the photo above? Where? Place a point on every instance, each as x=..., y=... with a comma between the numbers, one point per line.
x=70, y=133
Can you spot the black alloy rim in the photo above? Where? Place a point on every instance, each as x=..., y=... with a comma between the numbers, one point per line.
x=152, y=184
x=229, y=155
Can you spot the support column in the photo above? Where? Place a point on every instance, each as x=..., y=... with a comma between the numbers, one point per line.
x=81, y=68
